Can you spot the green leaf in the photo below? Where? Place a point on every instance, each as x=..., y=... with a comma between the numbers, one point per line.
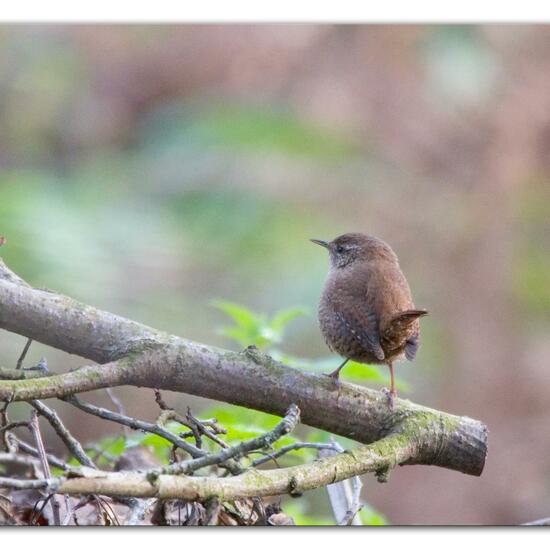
x=284, y=316
x=242, y=423
x=243, y=316
x=254, y=329
x=250, y=329
x=113, y=446
x=157, y=444
x=243, y=337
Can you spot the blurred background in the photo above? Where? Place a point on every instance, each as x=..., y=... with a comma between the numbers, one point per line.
x=150, y=170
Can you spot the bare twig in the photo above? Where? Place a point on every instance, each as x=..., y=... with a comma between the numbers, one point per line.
x=344, y=497
x=116, y=401
x=48, y=484
x=16, y=458
x=35, y=430
x=4, y=420
x=38, y=509
x=107, y=510
x=119, y=407
x=209, y=428
x=286, y=425
x=168, y=413
x=29, y=449
x=160, y=401
x=13, y=425
x=80, y=504
x=70, y=441
x=23, y=354
x=6, y=274
x=350, y=516
x=135, y=425
x=292, y=447
x=69, y=510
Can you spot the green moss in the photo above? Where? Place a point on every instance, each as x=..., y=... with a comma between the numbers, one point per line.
x=93, y=376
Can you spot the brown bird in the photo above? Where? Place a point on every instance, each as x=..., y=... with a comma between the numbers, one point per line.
x=366, y=312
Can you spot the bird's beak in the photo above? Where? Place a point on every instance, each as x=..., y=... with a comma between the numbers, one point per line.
x=321, y=243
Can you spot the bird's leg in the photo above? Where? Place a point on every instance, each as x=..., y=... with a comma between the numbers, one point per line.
x=392, y=393
x=335, y=374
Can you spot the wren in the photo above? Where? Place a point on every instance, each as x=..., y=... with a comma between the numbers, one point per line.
x=366, y=312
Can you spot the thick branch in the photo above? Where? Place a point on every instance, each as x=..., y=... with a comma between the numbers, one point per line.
x=145, y=357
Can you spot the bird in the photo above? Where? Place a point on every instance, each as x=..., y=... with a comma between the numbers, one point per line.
x=366, y=313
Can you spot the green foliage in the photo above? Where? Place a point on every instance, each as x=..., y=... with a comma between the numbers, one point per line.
x=242, y=423
x=156, y=444
x=252, y=329
x=108, y=449
x=105, y=451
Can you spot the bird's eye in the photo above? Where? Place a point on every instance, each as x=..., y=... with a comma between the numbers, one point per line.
x=339, y=249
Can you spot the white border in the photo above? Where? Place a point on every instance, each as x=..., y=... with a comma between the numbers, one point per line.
x=280, y=11
x=388, y=538
x=343, y=11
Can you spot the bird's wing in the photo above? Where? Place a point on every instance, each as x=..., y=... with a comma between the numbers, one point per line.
x=363, y=327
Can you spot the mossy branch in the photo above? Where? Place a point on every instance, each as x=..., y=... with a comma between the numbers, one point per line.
x=377, y=457
x=137, y=355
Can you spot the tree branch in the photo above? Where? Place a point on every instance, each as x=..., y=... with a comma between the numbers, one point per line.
x=134, y=354
x=376, y=457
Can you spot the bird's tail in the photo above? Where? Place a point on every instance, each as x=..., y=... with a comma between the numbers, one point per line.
x=408, y=316
x=401, y=331
x=400, y=324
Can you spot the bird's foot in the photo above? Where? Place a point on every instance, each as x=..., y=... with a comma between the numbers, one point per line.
x=334, y=376
x=390, y=396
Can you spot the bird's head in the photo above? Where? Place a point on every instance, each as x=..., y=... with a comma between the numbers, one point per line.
x=351, y=248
